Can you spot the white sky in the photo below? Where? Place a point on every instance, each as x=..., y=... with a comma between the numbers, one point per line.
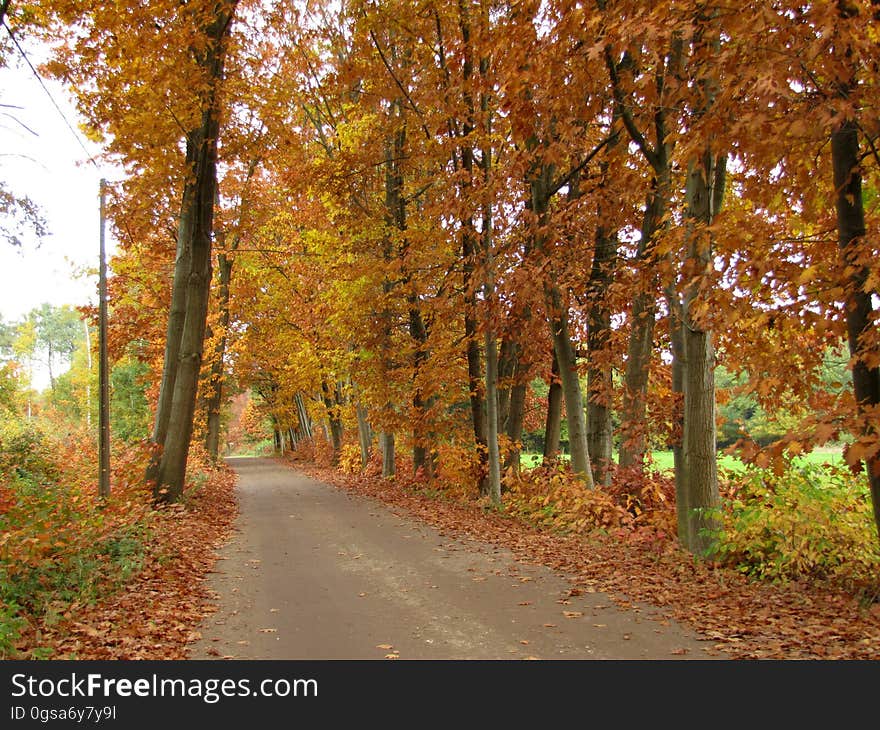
x=49, y=166
x=52, y=169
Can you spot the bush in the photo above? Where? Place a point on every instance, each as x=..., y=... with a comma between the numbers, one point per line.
x=26, y=455
x=552, y=496
x=59, y=544
x=810, y=523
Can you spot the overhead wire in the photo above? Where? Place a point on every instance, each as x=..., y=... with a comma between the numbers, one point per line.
x=48, y=93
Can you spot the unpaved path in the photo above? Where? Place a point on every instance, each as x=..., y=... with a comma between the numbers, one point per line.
x=314, y=572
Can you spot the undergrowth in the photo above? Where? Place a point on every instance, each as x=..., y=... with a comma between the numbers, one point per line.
x=62, y=547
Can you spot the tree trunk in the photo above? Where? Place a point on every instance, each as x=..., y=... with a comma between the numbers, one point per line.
x=172, y=466
x=302, y=415
x=332, y=403
x=599, y=385
x=365, y=435
x=641, y=339
x=386, y=443
x=845, y=155
x=553, y=424
x=571, y=389
x=474, y=365
x=177, y=310
x=493, y=482
x=422, y=458
x=511, y=399
x=215, y=377
x=515, y=417
x=699, y=500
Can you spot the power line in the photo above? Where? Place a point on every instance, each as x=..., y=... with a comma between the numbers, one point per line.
x=49, y=94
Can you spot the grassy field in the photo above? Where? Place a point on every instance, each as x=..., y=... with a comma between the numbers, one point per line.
x=663, y=459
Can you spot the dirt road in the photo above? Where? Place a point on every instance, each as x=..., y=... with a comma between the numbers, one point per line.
x=314, y=572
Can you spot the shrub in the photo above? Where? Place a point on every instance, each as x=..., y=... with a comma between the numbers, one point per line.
x=60, y=544
x=552, y=496
x=811, y=522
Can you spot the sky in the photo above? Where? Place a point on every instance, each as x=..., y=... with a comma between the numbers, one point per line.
x=41, y=158
x=48, y=165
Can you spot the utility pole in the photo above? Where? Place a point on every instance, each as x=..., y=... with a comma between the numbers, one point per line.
x=103, y=367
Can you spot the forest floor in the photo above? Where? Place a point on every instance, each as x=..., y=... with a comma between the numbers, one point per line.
x=326, y=565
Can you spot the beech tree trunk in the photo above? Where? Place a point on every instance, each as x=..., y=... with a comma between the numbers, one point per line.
x=386, y=443
x=302, y=415
x=514, y=427
x=540, y=184
x=511, y=399
x=332, y=403
x=553, y=423
x=599, y=385
x=641, y=338
x=846, y=156
x=171, y=473
x=177, y=310
x=215, y=376
x=571, y=389
x=699, y=500
x=422, y=457
x=365, y=434
x=474, y=361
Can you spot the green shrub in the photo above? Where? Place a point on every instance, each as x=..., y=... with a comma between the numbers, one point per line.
x=811, y=522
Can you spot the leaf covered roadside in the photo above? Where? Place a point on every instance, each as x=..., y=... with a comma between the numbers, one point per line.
x=119, y=579
x=744, y=619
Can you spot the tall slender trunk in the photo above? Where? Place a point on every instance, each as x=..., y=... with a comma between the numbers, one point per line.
x=386, y=440
x=514, y=427
x=493, y=482
x=511, y=398
x=177, y=310
x=214, y=400
x=599, y=385
x=332, y=404
x=422, y=448
x=476, y=385
x=474, y=359
x=560, y=332
x=846, y=156
x=571, y=389
x=302, y=415
x=365, y=434
x=553, y=424
x=641, y=338
x=699, y=500
x=172, y=466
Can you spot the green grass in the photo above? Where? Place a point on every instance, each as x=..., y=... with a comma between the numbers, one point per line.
x=663, y=460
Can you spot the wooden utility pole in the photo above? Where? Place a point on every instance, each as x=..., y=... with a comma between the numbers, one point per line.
x=103, y=367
